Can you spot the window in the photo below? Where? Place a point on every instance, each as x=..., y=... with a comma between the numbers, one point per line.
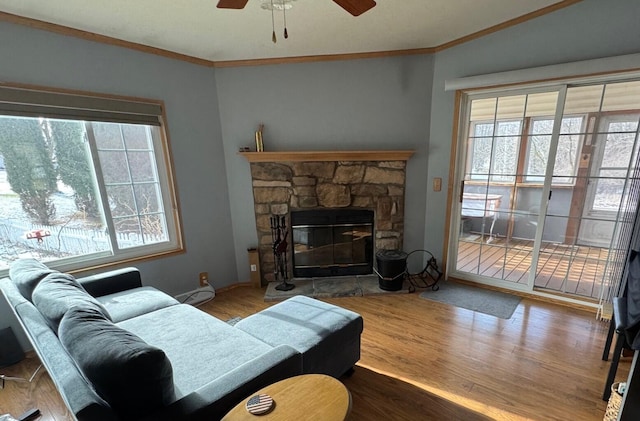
x=615, y=157
x=569, y=143
x=83, y=180
x=495, y=157
x=495, y=150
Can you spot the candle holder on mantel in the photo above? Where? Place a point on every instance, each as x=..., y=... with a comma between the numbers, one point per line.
x=259, y=141
x=279, y=237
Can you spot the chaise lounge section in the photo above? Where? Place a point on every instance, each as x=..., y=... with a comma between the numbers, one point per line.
x=117, y=350
x=327, y=336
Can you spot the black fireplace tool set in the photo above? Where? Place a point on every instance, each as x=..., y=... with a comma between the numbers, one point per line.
x=279, y=238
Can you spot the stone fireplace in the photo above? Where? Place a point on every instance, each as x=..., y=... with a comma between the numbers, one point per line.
x=352, y=180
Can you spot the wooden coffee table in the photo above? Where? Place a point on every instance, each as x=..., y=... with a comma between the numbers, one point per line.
x=305, y=397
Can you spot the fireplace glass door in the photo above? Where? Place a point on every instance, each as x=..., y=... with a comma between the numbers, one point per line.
x=332, y=242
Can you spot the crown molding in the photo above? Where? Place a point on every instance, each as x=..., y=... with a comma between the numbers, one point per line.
x=91, y=36
x=508, y=24
x=327, y=57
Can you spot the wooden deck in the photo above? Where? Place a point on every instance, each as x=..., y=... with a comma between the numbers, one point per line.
x=574, y=270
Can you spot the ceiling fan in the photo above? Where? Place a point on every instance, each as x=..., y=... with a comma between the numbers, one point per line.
x=355, y=7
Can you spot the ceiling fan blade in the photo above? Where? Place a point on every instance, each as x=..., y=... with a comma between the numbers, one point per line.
x=232, y=4
x=356, y=7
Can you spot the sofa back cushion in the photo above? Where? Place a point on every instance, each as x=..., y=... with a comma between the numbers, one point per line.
x=57, y=293
x=131, y=375
x=26, y=274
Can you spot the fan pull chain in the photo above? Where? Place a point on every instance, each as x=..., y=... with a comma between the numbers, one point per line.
x=284, y=13
x=273, y=26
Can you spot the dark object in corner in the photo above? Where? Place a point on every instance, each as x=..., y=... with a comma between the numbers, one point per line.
x=625, y=322
x=10, y=350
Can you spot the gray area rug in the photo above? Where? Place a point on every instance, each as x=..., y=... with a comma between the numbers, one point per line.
x=344, y=286
x=493, y=303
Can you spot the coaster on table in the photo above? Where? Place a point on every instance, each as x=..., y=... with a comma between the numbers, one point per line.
x=259, y=404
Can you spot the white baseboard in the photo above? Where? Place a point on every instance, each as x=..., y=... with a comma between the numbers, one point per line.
x=197, y=296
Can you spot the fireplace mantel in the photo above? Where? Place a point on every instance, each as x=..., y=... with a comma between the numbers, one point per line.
x=324, y=156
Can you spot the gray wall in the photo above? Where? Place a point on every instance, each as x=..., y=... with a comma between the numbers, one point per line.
x=586, y=30
x=350, y=105
x=35, y=57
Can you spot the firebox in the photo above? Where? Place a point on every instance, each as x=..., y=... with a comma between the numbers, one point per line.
x=332, y=242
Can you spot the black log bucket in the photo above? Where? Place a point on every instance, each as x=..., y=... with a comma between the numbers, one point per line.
x=391, y=268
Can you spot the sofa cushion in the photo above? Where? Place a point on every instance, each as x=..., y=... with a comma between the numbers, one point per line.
x=59, y=292
x=131, y=375
x=133, y=302
x=201, y=348
x=26, y=274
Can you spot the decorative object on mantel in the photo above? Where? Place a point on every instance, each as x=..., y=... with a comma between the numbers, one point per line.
x=279, y=236
x=259, y=142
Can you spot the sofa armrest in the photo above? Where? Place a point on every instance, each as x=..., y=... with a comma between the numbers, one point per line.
x=79, y=397
x=112, y=281
x=213, y=400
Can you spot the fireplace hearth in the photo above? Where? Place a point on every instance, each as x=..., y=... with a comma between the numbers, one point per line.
x=332, y=242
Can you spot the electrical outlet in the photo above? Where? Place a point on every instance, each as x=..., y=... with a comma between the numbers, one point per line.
x=204, y=279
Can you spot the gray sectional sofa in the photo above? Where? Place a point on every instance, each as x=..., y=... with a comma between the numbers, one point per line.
x=117, y=350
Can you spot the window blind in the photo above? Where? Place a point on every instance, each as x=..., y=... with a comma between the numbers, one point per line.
x=30, y=102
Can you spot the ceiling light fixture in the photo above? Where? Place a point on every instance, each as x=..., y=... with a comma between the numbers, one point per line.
x=277, y=5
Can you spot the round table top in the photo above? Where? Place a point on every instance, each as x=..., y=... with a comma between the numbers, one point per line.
x=309, y=396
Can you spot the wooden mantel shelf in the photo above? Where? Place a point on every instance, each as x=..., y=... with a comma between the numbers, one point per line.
x=308, y=156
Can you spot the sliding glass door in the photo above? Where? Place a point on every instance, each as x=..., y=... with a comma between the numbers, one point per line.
x=542, y=177
x=496, y=215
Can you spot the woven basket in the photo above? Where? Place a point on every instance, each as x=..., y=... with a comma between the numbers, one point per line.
x=613, y=407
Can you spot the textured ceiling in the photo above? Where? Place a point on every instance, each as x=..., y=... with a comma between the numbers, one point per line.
x=198, y=29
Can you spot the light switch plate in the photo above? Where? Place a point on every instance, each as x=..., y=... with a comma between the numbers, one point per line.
x=437, y=184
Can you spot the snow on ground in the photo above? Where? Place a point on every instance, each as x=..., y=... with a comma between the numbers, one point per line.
x=11, y=209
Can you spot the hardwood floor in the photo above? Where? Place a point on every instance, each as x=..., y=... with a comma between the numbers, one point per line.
x=423, y=360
